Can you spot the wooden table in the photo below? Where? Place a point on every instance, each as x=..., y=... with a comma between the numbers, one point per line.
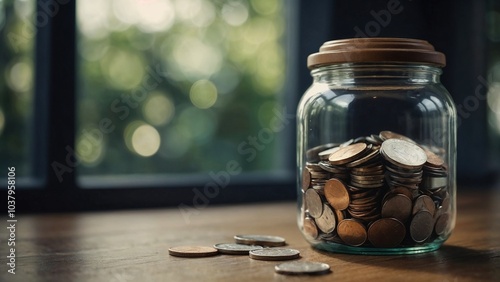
x=133, y=246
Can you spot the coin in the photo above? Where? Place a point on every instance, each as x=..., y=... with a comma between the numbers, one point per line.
x=326, y=222
x=403, y=153
x=397, y=206
x=306, y=179
x=347, y=153
x=235, y=249
x=433, y=159
x=302, y=267
x=192, y=251
x=310, y=228
x=336, y=194
x=386, y=233
x=274, y=254
x=313, y=203
x=262, y=240
x=352, y=232
x=386, y=134
x=323, y=155
x=424, y=202
x=421, y=226
x=441, y=224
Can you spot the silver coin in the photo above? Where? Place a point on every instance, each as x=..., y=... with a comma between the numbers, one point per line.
x=403, y=153
x=302, y=267
x=274, y=254
x=261, y=240
x=235, y=249
x=313, y=203
x=326, y=222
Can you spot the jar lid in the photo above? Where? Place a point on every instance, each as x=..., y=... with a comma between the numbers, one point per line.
x=373, y=50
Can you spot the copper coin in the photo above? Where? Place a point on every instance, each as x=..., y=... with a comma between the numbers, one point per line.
x=313, y=203
x=386, y=134
x=433, y=159
x=372, y=155
x=192, y=251
x=442, y=224
x=424, y=202
x=326, y=222
x=261, y=240
x=352, y=232
x=340, y=215
x=310, y=228
x=386, y=233
x=421, y=226
x=336, y=194
x=323, y=155
x=403, y=153
x=397, y=206
x=306, y=179
x=347, y=154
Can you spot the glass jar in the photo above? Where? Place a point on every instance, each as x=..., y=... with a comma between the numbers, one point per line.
x=376, y=148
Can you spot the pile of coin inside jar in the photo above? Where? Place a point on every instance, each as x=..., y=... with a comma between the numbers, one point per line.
x=382, y=191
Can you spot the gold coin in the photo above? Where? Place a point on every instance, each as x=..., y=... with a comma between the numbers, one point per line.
x=352, y=232
x=336, y=194
x=192, y=251
x=386, y=233
x=347, y=153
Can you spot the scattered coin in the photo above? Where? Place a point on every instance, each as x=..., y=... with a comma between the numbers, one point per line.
x=192, y=251
x=274, y=254
x=260, y=240
x=386, y=233
x=235, y=249
x=302, y=267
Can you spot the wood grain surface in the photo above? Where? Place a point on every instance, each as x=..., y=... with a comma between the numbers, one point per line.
x=133, y=246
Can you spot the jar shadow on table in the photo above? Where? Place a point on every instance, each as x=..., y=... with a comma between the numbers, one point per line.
x=459, y=261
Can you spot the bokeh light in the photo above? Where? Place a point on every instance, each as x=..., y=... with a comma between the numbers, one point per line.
x=89, y=150
x=20, y=76
x=176, y=142
x=124, y=70
x=235, y=13
x=142, y=139
x=158, y=109
x=203, y=94
x=201, y=124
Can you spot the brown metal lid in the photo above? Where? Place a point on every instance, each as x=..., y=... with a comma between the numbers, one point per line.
x=374, y=50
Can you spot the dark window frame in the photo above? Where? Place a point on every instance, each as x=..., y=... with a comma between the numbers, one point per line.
x=55, y=105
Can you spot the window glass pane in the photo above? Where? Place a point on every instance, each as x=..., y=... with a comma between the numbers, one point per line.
x=180, y=86
x=17, y=30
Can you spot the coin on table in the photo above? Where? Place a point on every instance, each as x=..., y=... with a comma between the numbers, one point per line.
x=260, y=240
x=235, y=249
x=274, y=254
x=302, y=267
x=192, y=251
x=386, y=233
x=347, y=154
x=336, y=194
x=403, y=153
x=352, y=232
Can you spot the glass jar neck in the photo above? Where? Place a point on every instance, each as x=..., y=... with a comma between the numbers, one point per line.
x=357, y=74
